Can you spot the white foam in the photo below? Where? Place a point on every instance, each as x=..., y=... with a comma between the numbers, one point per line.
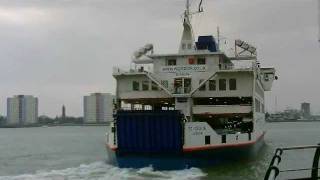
x=102, y=171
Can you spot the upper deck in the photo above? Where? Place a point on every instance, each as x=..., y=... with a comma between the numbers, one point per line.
x=199, y=69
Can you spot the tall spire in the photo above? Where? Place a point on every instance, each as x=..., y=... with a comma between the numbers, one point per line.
x=63, y=115
x=187, y=40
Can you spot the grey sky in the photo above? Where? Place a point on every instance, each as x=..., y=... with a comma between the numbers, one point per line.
x=60, y=50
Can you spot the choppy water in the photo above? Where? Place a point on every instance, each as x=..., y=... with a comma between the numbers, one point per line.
x=75, y=153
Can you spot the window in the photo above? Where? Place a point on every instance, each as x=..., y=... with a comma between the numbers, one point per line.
x=164, y=108
x=178, y=86
x=171, y=62
x=147, y=107
x=165, y=83
x=183, y=46
x=154, y=86
x=207, y=140
x=212, y=85
x=145, y=85
x=266, y=77
x=222, y=84
x=224, y=138
x=135, y=86
x=201, y=61
x=257, y=104
x=189, y=46
x=182, y=100
x=203, y=87
x=232, y=84
x=187, y=85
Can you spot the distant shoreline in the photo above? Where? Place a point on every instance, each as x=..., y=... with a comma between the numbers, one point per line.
x=53, y=125
x=299, y=121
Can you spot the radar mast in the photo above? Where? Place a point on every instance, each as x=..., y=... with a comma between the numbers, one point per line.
x=187, y=40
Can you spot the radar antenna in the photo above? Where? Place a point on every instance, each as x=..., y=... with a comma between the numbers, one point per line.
x=187, y=40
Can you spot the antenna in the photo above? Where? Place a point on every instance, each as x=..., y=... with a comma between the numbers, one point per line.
x=188, y=7
x=187, y=40
x=218, y=34
x=188, y=13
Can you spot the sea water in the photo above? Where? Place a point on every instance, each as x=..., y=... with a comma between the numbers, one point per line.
x=78, y=153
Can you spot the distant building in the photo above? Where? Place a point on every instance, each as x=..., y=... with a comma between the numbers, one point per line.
x=22, y=110
x=305, y=110
x=98, y=107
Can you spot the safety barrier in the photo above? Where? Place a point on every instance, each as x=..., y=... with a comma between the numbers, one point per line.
x=274, y=171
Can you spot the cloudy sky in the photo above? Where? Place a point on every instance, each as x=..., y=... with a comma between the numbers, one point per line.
x=60, y=50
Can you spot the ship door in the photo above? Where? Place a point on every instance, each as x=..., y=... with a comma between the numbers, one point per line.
x=182, y=85
x=187, y=85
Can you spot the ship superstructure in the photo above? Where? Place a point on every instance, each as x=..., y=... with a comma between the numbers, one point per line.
x=216, y=101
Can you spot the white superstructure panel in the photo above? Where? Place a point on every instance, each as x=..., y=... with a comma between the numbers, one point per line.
x=216, y=109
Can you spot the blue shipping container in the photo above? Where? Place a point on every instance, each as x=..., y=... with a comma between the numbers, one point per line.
x=149, y=131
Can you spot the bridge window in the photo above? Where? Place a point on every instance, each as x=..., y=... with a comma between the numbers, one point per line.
x=222, y=84
x=145, y=85
x=171, y=62
x=212, y=85
x=201, y=61
x=203, y=87
x=135, y=86
x=257, y=104
x=232, y=84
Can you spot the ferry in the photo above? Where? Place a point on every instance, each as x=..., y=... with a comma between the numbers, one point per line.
x=195, y=108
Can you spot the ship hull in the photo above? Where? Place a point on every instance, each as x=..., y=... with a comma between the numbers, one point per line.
x=206, y=156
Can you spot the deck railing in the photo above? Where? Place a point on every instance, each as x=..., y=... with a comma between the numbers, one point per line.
x=274, y=171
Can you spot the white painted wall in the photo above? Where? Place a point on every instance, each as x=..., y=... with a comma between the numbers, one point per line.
x=195, y=133
x=212, y=64
x=221, y=109
x=244, y=86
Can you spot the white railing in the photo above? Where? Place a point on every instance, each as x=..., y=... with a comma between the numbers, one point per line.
x=135, y=70
x=240, y=65
x=226, y=66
